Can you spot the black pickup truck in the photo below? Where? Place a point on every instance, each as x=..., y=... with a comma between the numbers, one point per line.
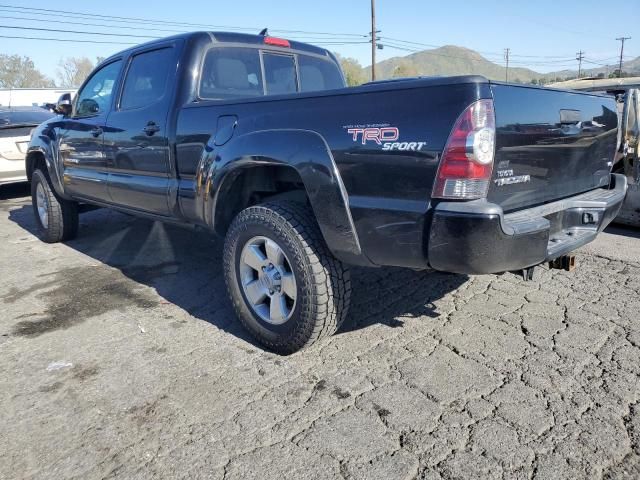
x=257, y=139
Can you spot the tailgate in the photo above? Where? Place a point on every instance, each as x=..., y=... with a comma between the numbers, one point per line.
x=550, y=144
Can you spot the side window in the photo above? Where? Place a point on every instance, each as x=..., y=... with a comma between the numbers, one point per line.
x=95, y=97
x=280, y=73
x=318, y=74
x=231, y=73
x=147, y=78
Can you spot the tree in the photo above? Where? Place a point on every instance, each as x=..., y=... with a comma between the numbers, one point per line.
x=353, y=71
x=404, y=70
x=72, y=71
x=20, y=72
x=534, y=81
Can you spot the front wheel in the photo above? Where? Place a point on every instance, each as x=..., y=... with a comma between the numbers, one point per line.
x=286, y=287
x=57, y=219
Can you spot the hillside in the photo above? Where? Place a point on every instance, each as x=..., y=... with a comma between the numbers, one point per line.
x=453, y=60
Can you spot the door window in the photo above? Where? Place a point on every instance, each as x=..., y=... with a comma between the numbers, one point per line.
x=147, y=78
x=280, y=74
x=95, y=97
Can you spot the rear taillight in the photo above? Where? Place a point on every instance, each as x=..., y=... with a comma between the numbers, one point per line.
x=467, y=161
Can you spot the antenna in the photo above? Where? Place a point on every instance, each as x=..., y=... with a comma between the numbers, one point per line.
x=264, y=32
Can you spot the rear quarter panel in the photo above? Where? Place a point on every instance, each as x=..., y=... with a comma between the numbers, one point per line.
x=388, y=192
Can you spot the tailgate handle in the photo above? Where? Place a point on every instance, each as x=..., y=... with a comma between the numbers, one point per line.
x=570, y=116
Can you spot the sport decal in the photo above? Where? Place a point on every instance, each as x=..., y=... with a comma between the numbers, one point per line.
x=383, y=135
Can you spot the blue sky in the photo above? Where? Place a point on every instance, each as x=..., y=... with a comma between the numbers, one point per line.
x=544, y=35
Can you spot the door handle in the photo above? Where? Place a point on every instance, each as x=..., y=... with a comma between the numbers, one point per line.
x=151, y=128
x=96, y=131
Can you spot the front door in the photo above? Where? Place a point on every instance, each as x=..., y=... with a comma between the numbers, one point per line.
x=81, y=136
x=136, y=142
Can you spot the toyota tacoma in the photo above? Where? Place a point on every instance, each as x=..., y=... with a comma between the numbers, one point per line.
x=257, y=139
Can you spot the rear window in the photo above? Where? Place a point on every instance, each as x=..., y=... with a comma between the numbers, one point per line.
x=280, y=71
x=317, y=74
x=231, y=73
x=236, y=72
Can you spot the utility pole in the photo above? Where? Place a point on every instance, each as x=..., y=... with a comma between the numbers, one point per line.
x=621, y=39
x=506, y=57
x=580, y=57
x=373, y=40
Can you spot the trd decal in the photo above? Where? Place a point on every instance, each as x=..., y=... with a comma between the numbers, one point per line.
x=383, y=135
x=378, y=135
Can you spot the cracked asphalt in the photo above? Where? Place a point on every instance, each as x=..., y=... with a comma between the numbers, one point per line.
x=120, y=358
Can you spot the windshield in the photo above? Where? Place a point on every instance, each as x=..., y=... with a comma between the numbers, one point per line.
x=23, y=117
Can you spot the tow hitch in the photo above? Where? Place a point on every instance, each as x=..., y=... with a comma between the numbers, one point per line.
x=566, y=262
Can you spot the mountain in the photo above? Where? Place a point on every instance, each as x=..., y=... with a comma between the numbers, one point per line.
x=454, y=60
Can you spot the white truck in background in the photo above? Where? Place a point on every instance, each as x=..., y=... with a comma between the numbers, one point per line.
x=31, y=97
x=627, y=161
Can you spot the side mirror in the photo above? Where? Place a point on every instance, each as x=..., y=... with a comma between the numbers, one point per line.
x=88, y=106
x=63, y=106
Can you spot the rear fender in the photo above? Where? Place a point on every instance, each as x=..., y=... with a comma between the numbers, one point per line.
x=309, y=155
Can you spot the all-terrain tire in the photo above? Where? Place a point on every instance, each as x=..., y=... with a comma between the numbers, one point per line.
x=323, y=283
x=61, y=222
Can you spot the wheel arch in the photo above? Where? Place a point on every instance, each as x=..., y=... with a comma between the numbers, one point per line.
x=300, y=157
x=40, y=153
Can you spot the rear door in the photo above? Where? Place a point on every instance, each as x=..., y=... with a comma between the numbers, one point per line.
x=82, y=134
x=136, y=142
x=550, y=144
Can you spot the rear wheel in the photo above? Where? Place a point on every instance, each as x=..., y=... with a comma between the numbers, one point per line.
x=286, y=287
x=57, y=219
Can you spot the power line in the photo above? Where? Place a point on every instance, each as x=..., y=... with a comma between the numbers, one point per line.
x=500, y=54
x=106, y=25
x=78, y=31
x=317, y=40
x=79, y=40
x=474, y=60
x=64, y=40
x=45, y=11
x=139, y=28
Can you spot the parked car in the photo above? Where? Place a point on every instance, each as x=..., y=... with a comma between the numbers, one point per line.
x=627, y=162
x=257, y=139
x=16, y=124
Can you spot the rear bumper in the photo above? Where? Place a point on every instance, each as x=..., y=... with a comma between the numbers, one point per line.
x=478, y=237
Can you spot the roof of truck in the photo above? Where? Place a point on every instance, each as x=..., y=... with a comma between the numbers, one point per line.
x=231, y=38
